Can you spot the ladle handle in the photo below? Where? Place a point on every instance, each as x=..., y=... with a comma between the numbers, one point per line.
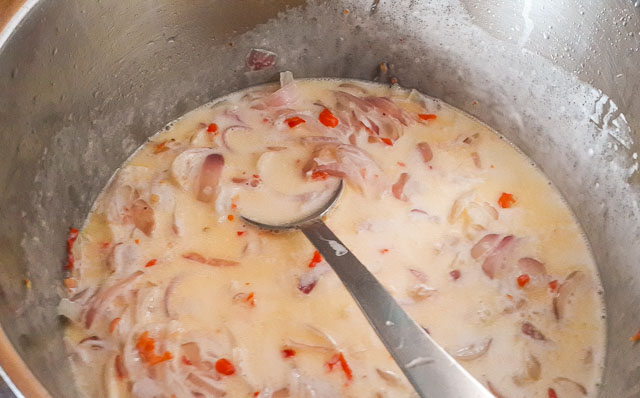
x=430, y=369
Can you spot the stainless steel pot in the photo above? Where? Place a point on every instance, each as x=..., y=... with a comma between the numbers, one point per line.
x=83, y=83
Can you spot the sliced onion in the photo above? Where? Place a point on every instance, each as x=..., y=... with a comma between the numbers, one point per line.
x=105, y=295
x=386, y=106
x=214, y=262
x=125, y=256
x=484, y=245
x=187, y=166
x=307, y=281
x=210, y=177
x=420, y=291
x=532, y=371
x=494, y=391
x=398, y=188
x=304, y=346
x=307, y=387
x=419, y=275
x=498, y=256
x=356, y=102
x=147, y=388
x=476, y=160
x=286, y=96
x=574, y=384
x=70, y=310
x=472, y=351
x=425, y=151
x=531, y=266
x=143, y=216
x=94, y=343
x=205, y=386
x=566, y=293
x=326, y=337
x=354, y=87
x=344, y=161
x=388, y=376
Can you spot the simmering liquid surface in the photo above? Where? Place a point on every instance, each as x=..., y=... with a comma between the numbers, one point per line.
x=172, y=295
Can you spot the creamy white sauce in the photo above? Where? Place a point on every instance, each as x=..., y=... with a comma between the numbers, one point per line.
x=165, y=254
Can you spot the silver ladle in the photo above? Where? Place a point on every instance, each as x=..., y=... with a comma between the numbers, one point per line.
x=429, y=368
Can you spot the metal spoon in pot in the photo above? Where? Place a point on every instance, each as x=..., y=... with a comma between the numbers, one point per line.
x=429, y=368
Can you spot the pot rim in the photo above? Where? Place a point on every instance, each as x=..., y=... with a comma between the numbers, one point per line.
x=16, y=374
x=13, y=370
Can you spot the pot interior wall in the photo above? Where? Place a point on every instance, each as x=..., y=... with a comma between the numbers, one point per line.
x=85, y=83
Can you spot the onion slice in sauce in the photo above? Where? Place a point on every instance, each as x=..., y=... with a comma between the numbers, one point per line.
x=209, y=177
x=398, y=188
x=425, y=151
x=472, y=351
x=531, y=266
x=566, y=293
x=214, y=262
x=498, y=256
x=105, y=295
x=142, y=216
x=484, y=245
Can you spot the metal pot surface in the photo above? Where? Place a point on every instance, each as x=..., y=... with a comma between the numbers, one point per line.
x=84, y=83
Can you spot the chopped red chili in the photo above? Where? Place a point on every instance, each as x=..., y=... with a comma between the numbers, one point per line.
x=523, y=280
x=387, y=141
x=506, y=200
x=455, y=274
x=288, y=353
x=223, y=366
x=151, y=263
x=161, y=147
x=553, y=285
x=552, y=393
x=427, y=116
x=212, y=128
x=71, y=239
x=319, y=175
x=121, y=371
x=317, y=258
x=146, y=349
x=339, y=359
x=327, y=118
x=294, y=121
x=113, y=324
